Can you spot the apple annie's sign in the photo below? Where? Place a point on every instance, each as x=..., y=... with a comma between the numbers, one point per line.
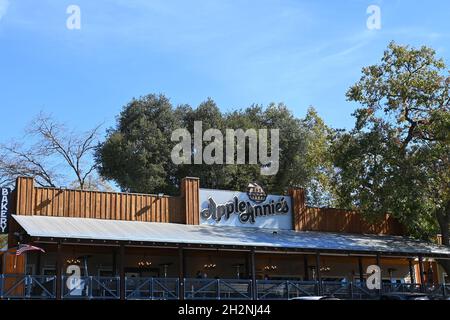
x=230, y=208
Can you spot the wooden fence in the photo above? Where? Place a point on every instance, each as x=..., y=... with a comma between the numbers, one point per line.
x=338, y=220
x=182, y=209
x=99, y=205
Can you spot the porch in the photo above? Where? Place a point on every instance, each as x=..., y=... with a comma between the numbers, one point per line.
x=109, y=259
x=108, y=288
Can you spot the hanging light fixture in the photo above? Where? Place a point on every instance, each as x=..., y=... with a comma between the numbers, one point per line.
x=73, y=261
x=270, y=266
x=210, y=265
x=325, y=269
x=144, y=263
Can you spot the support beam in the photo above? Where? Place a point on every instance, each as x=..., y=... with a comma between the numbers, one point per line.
x=122, y=271
x=430, y=273
x=253, y=271
x=360, y=270
x=306, y=267
x=378, y=262
x=59, y=266
x=421, y=272
x=247, y=266
x=39, y=263
x=181, y=271
x=114, y=262
x=318, y=274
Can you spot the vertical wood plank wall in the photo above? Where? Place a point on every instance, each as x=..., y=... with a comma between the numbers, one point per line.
x=298, y=207
x=183, y=209
x=337, y=220
x=95, y=204
x=14, y=268
x=190, y=188
x=13, y=264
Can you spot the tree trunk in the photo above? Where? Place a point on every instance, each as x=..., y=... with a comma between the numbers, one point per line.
x=443, y=219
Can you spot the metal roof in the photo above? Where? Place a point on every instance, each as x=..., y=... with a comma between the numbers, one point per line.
x=136, y=231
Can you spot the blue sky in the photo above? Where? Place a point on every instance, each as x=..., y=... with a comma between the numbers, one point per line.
x=301, y=53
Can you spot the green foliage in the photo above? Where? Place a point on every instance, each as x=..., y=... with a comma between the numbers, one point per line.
x=318, y=159
x=136, y=153
x=397, y=158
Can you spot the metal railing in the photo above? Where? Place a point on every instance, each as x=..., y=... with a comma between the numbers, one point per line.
x=360, y=291
x=152, y=288
x=90, y=288
x=96, y=288
x=218, y=289
x=446, y=290
x=401, y=287
x=27, y=287
x=338, y=289
x=285, y=289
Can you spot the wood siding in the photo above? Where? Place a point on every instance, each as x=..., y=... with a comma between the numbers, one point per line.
x=298, y=207
x=95, y=204
x=13, y=268
x=190, y=189
x=337, y=220
x=183, y=209
x=13, y=264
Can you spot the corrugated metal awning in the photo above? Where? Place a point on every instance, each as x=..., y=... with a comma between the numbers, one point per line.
x=136, y=231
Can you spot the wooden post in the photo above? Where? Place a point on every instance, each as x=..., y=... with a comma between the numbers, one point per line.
x=306, y=267
x=25, y=204
x=318, y=275
x=59, y=266
x=190, y=188
x=298, y=208
x=38, y=263
x=181, y=273
x=381, y=272
x=421, y=273
x=361, y=271
x=114, y=262
x=253, y=270
x=247, y=266
x=122, y=272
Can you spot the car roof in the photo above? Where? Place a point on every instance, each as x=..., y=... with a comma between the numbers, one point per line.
x=405, y=294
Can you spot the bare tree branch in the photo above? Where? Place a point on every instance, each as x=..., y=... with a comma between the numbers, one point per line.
x=55, y=153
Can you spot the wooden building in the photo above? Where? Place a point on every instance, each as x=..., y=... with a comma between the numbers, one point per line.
x=201, y=244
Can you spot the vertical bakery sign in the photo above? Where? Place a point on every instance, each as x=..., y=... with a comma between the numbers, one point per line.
x=5, y=213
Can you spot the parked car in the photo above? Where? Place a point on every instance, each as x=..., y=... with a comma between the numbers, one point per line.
x=404, y=296
x=310, y=298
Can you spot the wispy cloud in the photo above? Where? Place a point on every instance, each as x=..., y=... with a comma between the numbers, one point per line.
x=3, y=7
